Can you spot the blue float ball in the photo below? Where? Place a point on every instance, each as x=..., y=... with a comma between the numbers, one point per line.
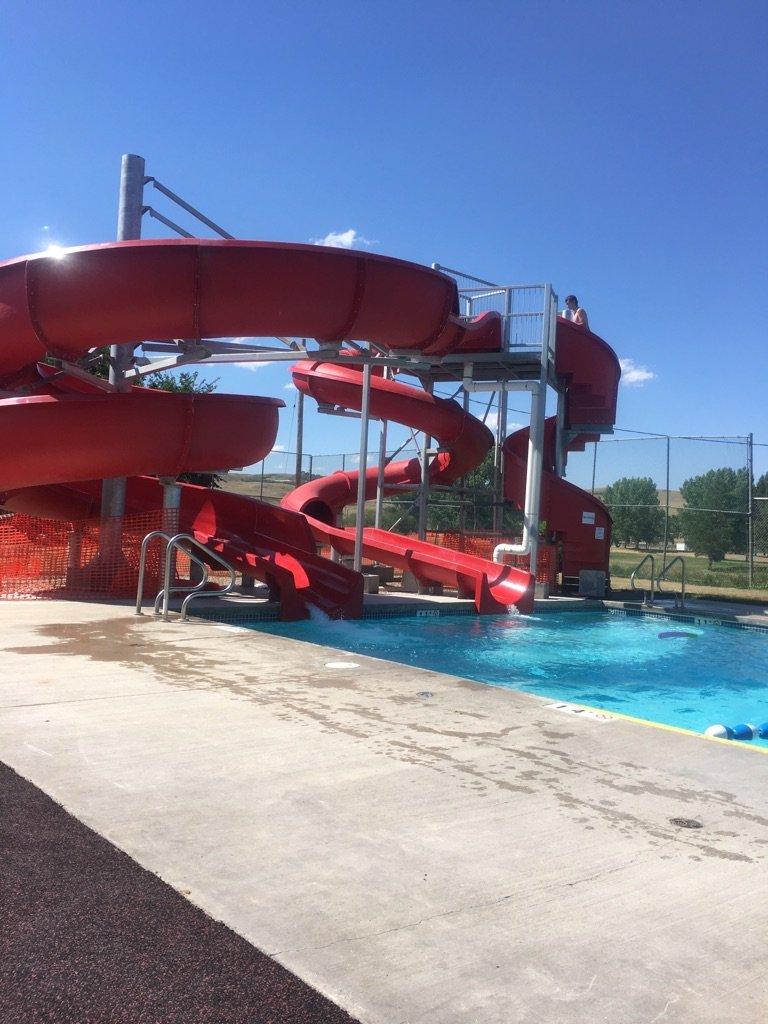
x=762, y=730
x=742, y=731
x=720, y=732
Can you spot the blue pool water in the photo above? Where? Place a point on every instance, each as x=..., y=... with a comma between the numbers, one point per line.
x=615, y=662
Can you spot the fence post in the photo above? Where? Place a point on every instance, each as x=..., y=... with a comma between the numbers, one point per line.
x=666, y=514
x=750, y=512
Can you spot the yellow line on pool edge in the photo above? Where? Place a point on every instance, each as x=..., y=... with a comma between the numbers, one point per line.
x=744, y=744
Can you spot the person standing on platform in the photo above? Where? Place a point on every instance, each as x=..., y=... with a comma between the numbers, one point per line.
x=575, y=313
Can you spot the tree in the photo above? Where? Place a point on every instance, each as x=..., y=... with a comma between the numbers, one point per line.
x=707, y=521
x=637, y=514
x=761, y=486
x=186, y=383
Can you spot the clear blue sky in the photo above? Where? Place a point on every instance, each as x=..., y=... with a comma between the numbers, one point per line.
x=617, y=149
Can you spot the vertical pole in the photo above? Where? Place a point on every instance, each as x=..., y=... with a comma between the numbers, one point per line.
x=299, y=438
x=666, y=514
x=261, y=484
x=362, y=467
x=750, y=512
x=594, y=465
x=498, y=461
x=424, y=481
x=533, y=476
x=129, y=213
x=463, y=481
x=382, y=461
x=560, y=443
x=171, y=507
x=536, y=435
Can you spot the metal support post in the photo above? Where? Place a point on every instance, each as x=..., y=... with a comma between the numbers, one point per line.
x=299, y=437
x=130, y=207
x=171, y=507
x=382, y=460
x=498, y=463
x=560, y=441
x=362, y=467
x=463, y=481
x=594, y=465
x=535, y=462
x=666, y=514
x=750, y=512
x=424, y=481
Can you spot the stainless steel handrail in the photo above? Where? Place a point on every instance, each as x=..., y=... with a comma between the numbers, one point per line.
x=663, y=575
x=638, y=567
x=176, y=543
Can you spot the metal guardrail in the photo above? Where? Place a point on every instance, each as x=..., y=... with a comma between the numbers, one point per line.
x=638, y=567
x=177, y=543
x=663, y=575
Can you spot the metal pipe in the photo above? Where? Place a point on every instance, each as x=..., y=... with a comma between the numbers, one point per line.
x=362, y=467
x=299, y=438
x=560, y=440
x=535, y=465
x=666, y=515
x=129, y=212
x=382, y=465
x=156, y=215
x=426, y=440
x=529, y=543
x=750, y=511
x=189, y=208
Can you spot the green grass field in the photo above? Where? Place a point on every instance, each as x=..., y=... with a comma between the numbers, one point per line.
x=728, y=574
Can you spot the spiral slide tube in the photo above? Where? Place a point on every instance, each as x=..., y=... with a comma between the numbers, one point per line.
x=493, y=587
x=63, y=435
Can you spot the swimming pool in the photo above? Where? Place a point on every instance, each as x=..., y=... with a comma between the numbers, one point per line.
x=712, y=674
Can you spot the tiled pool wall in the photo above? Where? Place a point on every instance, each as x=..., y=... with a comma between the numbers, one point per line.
x=245, y=615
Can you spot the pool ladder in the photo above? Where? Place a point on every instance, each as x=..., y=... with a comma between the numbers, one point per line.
x=679, y=600
x=180, y=542
x=647, y=595
x=656, y=581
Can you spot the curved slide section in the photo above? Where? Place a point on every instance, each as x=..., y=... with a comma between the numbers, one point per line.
x=492, y=586
x=72, y=431
x=577, y=521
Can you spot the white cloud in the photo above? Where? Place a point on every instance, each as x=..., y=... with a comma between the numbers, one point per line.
x=278, y=447
x=492, y=422
x=255, y=367
x=634, y=376
x=349, y=239
x=290, y=386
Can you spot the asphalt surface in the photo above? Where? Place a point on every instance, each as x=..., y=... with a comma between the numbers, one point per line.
x=87, y=936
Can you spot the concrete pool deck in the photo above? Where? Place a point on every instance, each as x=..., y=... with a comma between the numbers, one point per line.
x=417, y=847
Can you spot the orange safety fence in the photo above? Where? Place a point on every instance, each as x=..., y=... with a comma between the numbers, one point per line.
x=482, y=545
x=43, y=558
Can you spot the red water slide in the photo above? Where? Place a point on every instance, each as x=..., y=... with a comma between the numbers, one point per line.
x=576, y=521
x=60, y=430
x=464, y=441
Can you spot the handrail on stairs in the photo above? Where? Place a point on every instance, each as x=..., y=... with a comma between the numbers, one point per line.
x=176, y=543
x=638, y=567
x=663, y=575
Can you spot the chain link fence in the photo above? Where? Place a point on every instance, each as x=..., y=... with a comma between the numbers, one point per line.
x=701, y=501
x=696, y=500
